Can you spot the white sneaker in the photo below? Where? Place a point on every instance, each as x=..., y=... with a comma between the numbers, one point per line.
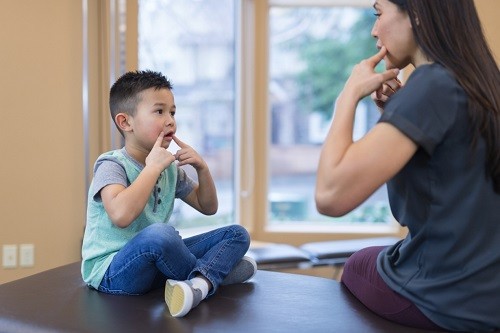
x=242, y=272
x=181, y=297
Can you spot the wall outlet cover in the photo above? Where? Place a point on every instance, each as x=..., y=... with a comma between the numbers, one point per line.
x=9, y=256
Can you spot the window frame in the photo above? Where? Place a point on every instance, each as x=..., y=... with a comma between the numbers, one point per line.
x=252, y=131
x=253, y=201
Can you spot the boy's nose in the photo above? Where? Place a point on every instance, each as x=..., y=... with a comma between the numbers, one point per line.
x=169, y=121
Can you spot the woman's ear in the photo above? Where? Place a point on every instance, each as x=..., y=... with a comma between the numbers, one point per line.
x=417, y=22
x=122, y=120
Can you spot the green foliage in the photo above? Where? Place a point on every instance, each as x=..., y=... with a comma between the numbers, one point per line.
x=329, y=62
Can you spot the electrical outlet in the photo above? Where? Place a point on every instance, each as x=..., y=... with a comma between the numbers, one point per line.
x=26, y=255
x=9, y=256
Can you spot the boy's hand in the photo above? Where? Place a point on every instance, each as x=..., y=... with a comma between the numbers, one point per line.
x=187, y=155
x=203, y=197
x=158, y=156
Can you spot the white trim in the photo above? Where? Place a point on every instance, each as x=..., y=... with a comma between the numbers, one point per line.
x=248, y=65
x=244, y=92
x=357, y=228
x=112, y=62
x=321, y=3
x=244, y=146
x=85, y=93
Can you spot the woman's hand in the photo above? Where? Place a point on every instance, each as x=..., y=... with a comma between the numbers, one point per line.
x=364, y=80
x=381, y=95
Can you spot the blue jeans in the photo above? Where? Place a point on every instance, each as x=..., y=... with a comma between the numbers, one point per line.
x=158, y=253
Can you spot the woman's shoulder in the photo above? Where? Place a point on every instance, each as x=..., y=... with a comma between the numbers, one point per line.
x=433, y=74
x=432, y=81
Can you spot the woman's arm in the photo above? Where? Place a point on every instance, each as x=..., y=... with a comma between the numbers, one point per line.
x=349, y=172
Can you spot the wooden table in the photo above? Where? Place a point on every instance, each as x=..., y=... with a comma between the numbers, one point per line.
x=58, y=301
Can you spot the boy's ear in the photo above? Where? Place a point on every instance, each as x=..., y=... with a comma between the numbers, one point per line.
x=122, y=120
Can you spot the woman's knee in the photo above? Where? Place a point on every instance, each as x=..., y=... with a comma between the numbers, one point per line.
x=362, y=264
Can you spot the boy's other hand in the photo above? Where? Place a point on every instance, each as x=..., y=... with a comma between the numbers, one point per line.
x=158, y=156
x=187, y=155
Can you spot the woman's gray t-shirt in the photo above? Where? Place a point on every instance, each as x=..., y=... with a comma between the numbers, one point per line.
x=449, y=264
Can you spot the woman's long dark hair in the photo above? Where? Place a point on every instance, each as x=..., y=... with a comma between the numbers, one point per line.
x=449, y=32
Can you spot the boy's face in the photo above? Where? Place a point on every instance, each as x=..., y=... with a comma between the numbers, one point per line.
x=155, y=113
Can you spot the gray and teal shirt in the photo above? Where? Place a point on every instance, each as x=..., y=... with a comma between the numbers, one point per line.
x=102, y=239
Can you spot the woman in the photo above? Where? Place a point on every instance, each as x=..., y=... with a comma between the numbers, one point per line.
x=437, y=145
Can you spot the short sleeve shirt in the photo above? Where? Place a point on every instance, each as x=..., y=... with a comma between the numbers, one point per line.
x=110, y=172
x=102, y=239
x=449, y=264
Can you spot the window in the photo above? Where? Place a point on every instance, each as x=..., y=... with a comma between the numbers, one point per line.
x=311, y=53
x=312, y=46
x=180, y=39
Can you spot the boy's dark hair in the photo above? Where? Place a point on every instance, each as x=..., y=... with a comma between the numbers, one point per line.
x=125, y=93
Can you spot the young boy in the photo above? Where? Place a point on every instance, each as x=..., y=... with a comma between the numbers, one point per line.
x=128, y=247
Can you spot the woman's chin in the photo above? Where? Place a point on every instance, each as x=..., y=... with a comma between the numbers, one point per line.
x=389, y=65
x=394, y=63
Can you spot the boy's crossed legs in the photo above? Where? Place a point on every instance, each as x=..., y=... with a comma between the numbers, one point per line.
x=195, y=266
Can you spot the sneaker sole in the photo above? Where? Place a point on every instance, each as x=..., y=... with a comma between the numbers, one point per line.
x=178, y=298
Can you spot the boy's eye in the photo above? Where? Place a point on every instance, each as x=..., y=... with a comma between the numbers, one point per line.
x=377, y=14
x=172, y=113
x=160, y=111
